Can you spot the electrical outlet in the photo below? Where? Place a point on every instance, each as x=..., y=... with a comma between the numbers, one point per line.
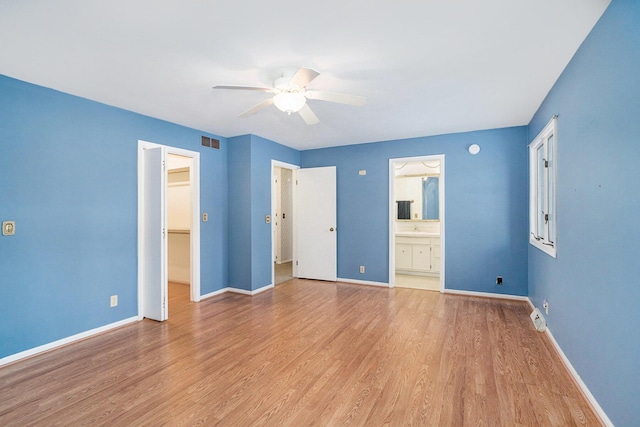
x=114, y=300
x=362, y=269
x=545, y=305
x=8, y=228
x=499, y=280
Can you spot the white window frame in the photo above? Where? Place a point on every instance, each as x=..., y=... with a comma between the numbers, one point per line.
x=543, y=227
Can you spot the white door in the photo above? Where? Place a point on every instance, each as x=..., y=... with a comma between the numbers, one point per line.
x=315, y=216
x=154, y=258
x=277, y=220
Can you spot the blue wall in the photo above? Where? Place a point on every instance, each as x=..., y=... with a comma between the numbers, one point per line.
x=486, y=207
x=250, y=156
x=239, y=217
x=69, y=179
x=592, y=286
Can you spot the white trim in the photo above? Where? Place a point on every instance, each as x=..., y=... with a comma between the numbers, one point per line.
x=576, y=377
x=486, y=295
x=364, y=282
x=214, y=293
x=236, y=291
x=551, y=247
x=251, y=293
x=441, y=199
x=64, y=341
x=283, y=165
x=194, y=179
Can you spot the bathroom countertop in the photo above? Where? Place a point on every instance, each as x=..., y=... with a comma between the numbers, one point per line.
x=416, y=234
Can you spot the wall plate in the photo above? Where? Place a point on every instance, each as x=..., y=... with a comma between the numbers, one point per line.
x=8, y=228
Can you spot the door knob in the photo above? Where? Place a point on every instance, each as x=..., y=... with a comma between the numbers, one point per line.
x=331, y=229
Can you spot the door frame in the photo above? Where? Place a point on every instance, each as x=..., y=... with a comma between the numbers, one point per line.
x=392, y=197
x=283, y=165
x=194, y=179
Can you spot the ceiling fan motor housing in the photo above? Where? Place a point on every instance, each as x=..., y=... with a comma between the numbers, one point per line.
x=282, y=84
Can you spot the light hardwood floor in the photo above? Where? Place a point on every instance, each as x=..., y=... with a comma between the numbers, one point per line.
x=305, y=353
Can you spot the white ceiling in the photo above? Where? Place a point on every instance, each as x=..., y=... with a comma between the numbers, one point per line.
x=426, y=67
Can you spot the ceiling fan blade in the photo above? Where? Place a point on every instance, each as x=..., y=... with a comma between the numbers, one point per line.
x=260, y=89
x=308, y=115
x=341, y=98
x=251, y=111
x=303, y=77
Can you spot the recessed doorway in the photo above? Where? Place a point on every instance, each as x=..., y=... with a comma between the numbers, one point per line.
x=416, y=222
x=282, y=221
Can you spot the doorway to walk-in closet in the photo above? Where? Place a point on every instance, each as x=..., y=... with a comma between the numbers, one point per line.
x=157, y=201
x=179, y=216
x=282, y=225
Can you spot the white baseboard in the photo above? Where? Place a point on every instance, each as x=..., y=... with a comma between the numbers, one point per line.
x=583, y=387
x=246, y=292
x=364, y=282
x=236, y=291
x=486, y=295
x=214, y=293
x=64, y=341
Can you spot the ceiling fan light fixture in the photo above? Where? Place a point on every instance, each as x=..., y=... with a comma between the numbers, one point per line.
x=289, y=102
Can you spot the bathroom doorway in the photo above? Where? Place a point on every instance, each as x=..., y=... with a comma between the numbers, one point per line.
x=416, y=222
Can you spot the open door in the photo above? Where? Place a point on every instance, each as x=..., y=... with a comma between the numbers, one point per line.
x=154, y=253
x=315, y=217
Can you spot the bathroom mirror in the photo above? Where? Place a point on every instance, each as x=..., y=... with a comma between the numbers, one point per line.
x=417, y=197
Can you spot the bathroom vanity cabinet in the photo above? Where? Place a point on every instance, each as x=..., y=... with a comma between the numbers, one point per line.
x=418, y=254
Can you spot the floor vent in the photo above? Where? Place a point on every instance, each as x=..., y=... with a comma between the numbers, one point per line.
x=538, y=320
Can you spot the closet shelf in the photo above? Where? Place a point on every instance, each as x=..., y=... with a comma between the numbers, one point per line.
x=179, y=231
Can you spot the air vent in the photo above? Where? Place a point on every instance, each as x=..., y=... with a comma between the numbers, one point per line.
x=210, y=142
x=538, y=321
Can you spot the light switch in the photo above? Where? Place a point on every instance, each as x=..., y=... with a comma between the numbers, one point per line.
x=8, y=228
x=362, y=172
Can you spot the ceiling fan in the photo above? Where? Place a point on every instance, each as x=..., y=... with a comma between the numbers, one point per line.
x=290, y=96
